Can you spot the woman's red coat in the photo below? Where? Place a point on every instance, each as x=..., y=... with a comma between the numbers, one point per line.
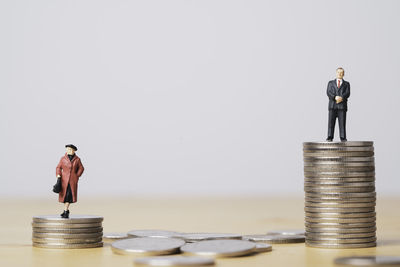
x=70, y=172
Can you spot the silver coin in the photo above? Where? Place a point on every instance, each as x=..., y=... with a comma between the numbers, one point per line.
x=333, y=153
x=336, y=185
x=72, y=219
x=339, y=205
x=67, y=246
x=287, y=232
x=67, y=230
x=338, y=210
x=66, y=241
x=174, y=261
x=336, y=149
x=263, y=247
x=338, y=174
x=194, y=237
x=275, y=239
x=67, y=236
x=340, y=144
x=340, y=215
x=153, y=233
x=341, y=240
x=340, y=159
x=332, y=168
x=339, y=225
x=324, y=190
x=330, y=245
x=111, y=237
x=68, y=226
x=335, y=164
x=339, y=180
x=339, y=220
x=341, y=200
x=147, y=246
x=340, y=235
x=340, y=230
x=341, y=195
x=373, y=261
x=220, y=248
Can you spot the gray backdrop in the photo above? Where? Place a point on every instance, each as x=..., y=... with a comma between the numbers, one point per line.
x=190, y=97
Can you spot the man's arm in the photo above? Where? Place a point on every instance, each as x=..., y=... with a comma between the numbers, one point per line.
x=346, y=94
x=331, y=93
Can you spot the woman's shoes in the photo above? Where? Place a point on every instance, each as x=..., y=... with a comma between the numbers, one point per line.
x=65, y=214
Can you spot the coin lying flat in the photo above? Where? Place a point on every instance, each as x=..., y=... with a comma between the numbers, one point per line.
x=111, y=237
x=67, y=236
x=275, y=239
x=287, y=232
x=311, y=209
x=339, y=205
x=69, y=225
x=340, y=144
x=174, y=261
x=340, y=215
x=340, y=195
x=339, y=159
x=337, y=153
x=153, y=233
x=336, y=185
x=220, y=248
x=339, y=236
x=66, y=241
x=72, y=219
x=342, y=240
x=340, y=225
x=337, y=180
x=330, y=245
x=373, y=261
x=341, y=200
x=340, y=220
x=343, y=174
x=63, y=246
x=147, y=246
x=195, y=237
x=67, y=230
x=341, y=230
x=263, y=247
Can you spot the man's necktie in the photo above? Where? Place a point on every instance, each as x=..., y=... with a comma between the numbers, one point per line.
x=338, y=83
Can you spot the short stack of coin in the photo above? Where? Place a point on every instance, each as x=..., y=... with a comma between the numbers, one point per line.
x=78, y=231
x=340, y=194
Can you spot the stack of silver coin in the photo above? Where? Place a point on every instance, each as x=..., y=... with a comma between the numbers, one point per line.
x=340, y=194
x=79, y=231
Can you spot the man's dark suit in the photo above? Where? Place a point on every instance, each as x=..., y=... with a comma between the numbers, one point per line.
x=337, y=110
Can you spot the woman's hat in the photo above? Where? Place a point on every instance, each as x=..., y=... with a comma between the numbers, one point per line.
x=72, y=146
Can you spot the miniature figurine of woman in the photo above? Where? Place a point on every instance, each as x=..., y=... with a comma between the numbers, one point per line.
x=69, y=168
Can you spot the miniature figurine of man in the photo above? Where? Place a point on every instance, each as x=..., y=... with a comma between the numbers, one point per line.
x=338, y=92
x=69, y=168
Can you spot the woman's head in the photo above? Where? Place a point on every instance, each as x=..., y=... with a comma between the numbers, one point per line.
x=71, y=149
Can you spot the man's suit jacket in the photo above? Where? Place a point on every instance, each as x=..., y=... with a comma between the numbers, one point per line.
x=332, y=91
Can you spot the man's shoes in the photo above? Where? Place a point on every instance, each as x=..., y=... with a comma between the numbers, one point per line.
x=343, y=139
x=65, y=214
x=329, y=139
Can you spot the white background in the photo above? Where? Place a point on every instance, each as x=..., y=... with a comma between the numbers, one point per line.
x=190, y=97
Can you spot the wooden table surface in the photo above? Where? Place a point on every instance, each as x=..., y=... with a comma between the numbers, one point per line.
x=185, y=214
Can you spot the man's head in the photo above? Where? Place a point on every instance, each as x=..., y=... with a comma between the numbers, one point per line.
x=339, y=73
x=71, y=149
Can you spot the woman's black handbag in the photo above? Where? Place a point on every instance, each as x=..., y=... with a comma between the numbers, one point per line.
x=57, y=186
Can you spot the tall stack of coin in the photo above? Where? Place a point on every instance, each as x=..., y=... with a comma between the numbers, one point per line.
x=339, y=194
x=79, y=231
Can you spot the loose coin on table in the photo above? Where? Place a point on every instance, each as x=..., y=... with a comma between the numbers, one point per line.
x=372, y=261
x=287, y=232
x=147, y=246
x=153, y=233
x=194, y=237
x=174, y=261
x=220, y=248
x=263, y=247
x=275, y=239
x=111, y=237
